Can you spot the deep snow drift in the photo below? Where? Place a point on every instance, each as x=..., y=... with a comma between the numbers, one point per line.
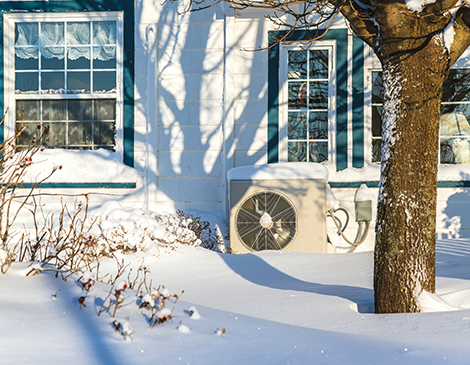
x=263, y=308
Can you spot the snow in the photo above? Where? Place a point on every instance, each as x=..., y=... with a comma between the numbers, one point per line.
x=331, y=201
x=282, y=170
x=449, y=35
x=263, y=308
x=183, y=328
x=363, y=194
x=370, y=172
x=418, y=5
x=79, y=166
x=3, y=255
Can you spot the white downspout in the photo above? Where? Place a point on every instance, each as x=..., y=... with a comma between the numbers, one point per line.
x=152, y=119
x=228, y=103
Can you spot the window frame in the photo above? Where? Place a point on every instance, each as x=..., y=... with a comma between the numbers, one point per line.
x=347, y=89
x=10, y=96
x=329, y=45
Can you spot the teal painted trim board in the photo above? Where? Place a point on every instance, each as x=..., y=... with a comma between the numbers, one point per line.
x=103, y=185
x=127, y=7
x=358, y=104
x=273, y=100
x=352, y=184
x=375, y=184
x=341, y=71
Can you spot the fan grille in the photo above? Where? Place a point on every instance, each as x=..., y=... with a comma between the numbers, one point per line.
x=266, y=220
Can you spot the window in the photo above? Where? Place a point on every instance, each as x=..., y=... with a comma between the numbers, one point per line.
x=65, y=78
x=307, y=99
x=455, y=113
x=377, y=102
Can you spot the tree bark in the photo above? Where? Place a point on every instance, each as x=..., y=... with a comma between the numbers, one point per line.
x=414, y=70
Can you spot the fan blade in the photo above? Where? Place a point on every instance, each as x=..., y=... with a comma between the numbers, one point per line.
x=289, y=212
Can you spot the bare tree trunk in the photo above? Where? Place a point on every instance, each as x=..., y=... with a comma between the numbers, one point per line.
x=413, y=73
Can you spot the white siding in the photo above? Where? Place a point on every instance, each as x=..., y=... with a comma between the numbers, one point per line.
x=188, y=139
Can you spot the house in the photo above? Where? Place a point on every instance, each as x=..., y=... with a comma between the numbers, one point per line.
x=151, y=105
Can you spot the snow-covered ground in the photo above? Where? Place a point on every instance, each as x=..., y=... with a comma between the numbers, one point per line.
x=275, y=307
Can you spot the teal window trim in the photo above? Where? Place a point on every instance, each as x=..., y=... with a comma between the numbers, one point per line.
x=352, y=184
x=127, y=7
x=100, y=185
x=341, y=138
x=358, y=103
x=375, y=184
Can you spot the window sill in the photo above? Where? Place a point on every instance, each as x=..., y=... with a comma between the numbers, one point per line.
x=80, y=169
x=370, y=172
x=449, y=176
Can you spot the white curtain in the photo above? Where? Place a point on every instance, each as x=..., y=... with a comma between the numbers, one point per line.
x=52, y=38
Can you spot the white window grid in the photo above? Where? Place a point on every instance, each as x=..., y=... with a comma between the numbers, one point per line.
x=9, y=66
x=330, y=46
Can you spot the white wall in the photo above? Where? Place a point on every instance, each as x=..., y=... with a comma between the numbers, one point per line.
x=250, y=90
x=182, y=101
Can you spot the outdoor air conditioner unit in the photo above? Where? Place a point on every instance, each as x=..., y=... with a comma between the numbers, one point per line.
x=278, y=214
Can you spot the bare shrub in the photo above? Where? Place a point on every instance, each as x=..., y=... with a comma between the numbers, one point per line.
x=15, y=195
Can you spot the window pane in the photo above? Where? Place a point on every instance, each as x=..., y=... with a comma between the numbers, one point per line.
x=78, y=82
x=377, y=88
x=457, y=86
x=52, y=58
x=52, y=81
x=55, y=135
x=27, y=59
x=318, y=95
x=319, y=64
x=454, y=122
x=78, y=57
x=455, y=151
x=52, y=33
x=105, y=109
x=297, y=65
x=318, y=125
x=26, y=81
x=104, y=133
x=27, y=110
x=376, y=150
x=297, y=95
x=78, y=33
x=376, y=121
x=104, y=57
x=26, y=136
x=297, y=128
x=80, y=133
x=318, y=151
x=26, y=34
x=104, y=81
x=53, y=109
x=80, y=110
x=104, y=33
x=297, y=151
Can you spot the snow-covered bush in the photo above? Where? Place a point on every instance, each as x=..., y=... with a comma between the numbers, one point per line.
x=74, y=241
x=129, y=230
x=124, y=328
x=155, y=301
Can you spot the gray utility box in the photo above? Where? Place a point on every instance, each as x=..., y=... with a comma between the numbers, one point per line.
x=364, y=211
x=281, y=214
